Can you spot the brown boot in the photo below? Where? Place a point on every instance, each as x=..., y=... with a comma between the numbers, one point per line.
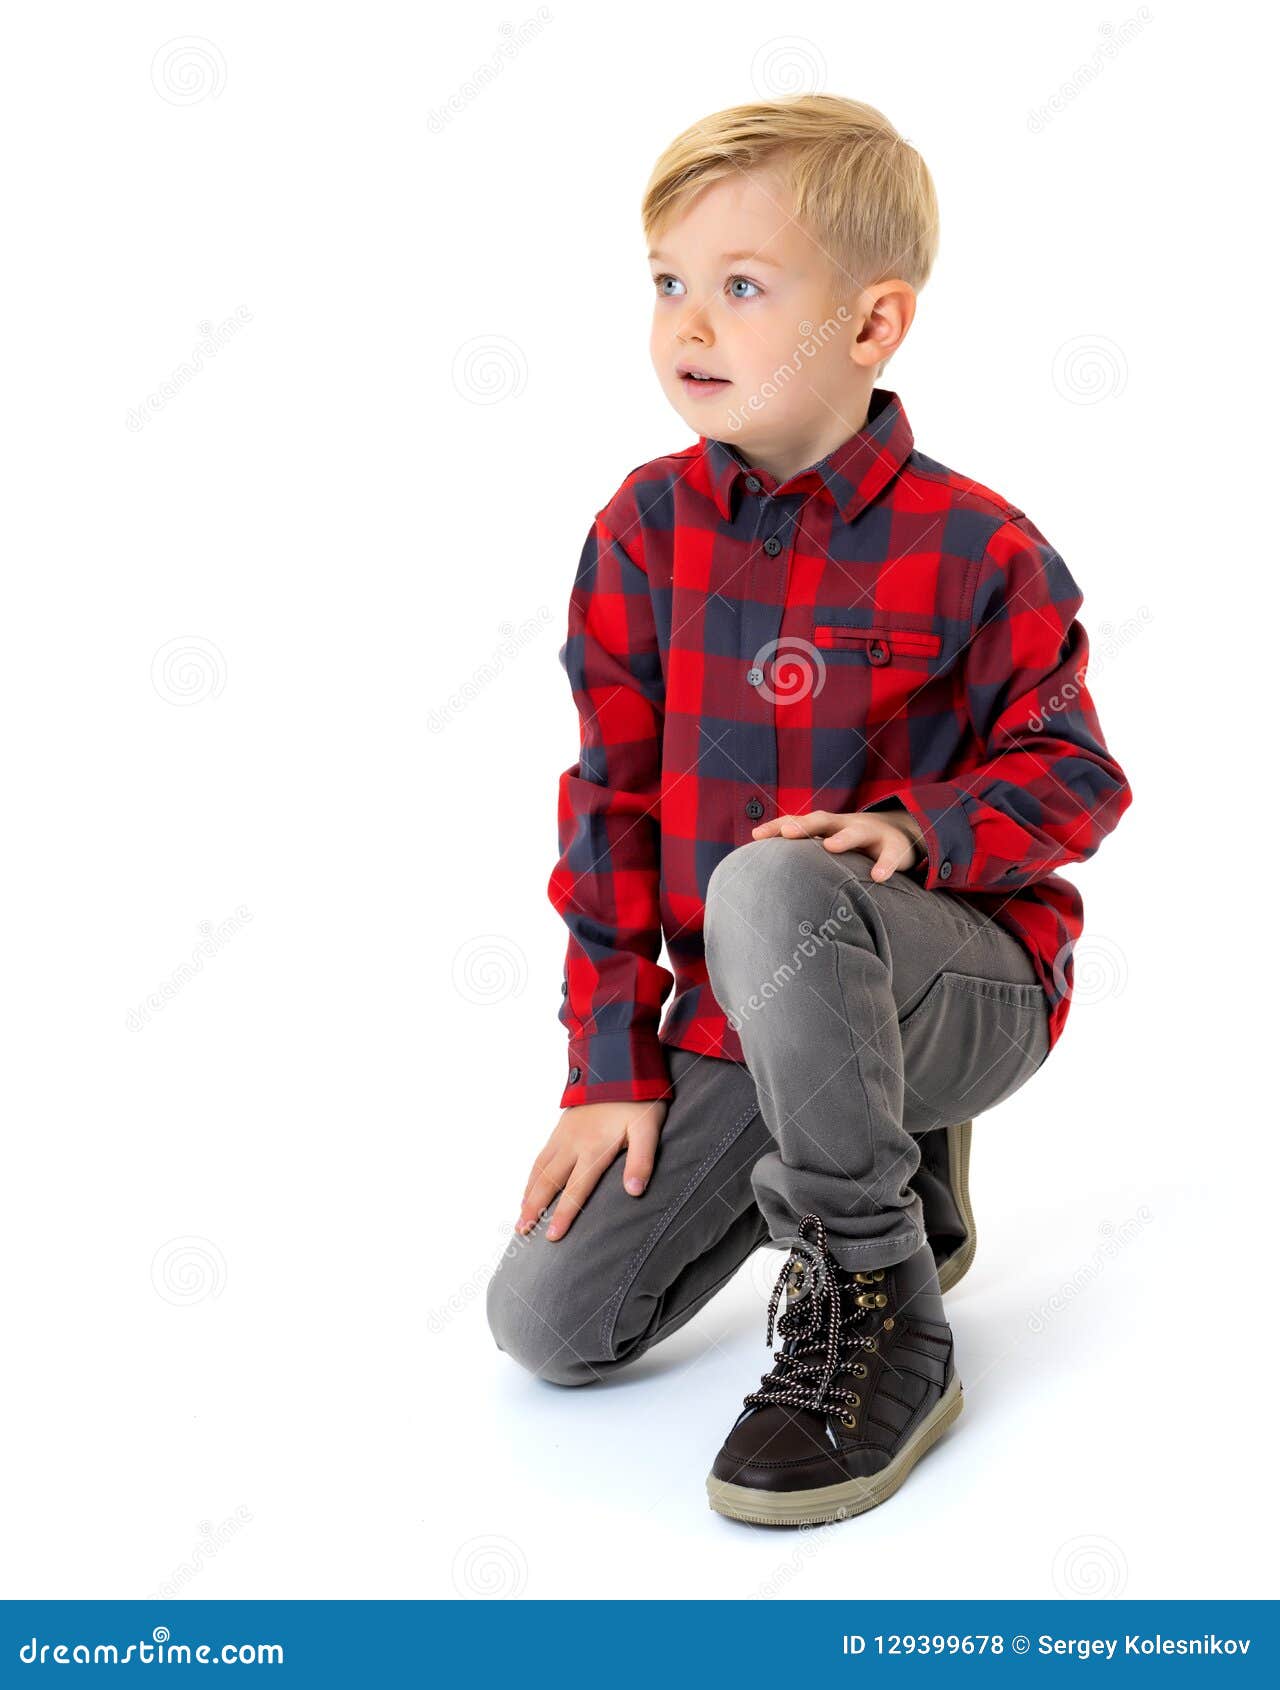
x=863, y=1385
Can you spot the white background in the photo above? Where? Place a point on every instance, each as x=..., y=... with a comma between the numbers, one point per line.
x=245, y=1244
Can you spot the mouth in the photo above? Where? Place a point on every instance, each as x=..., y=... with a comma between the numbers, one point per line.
x=694, y=379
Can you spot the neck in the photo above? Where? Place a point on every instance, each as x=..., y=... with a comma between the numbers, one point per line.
x=784, y=458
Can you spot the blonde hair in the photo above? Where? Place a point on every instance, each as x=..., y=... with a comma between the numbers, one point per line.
x=863, y=193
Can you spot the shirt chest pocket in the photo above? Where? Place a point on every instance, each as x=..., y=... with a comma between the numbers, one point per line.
x=879, y=645
x=874, y=670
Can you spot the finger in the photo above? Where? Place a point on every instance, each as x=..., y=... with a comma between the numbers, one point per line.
x=851, y=836
x=642, y=1147
x=543, y=1190
x=887, y=861
x=582, y=1183
x=540, y=1162
x=811, y=826
x=540, y=1189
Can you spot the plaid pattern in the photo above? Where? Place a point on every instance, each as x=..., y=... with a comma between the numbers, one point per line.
x=875, y=631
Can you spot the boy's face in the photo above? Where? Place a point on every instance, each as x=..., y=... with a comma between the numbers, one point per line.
x=743, y=294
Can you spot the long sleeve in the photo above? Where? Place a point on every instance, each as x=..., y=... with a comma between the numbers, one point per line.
x=1046, y=791
x=605, y=883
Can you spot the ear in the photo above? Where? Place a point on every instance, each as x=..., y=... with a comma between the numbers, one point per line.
x=888, y=310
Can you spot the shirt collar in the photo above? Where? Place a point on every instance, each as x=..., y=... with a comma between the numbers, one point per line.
x=853, y=474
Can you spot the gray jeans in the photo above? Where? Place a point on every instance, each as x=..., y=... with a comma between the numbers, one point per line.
x=869, y=1013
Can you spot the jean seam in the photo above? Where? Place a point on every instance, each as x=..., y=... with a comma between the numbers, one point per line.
x=660, y=1332
x=613, y=1307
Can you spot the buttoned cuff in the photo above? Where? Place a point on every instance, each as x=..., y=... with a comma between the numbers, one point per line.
x=939, y=807
x=624, y=1067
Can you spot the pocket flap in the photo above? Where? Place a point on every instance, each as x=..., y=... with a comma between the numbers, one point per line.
x=905, y=642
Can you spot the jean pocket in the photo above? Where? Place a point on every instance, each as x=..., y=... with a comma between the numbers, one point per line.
x=968, y=1045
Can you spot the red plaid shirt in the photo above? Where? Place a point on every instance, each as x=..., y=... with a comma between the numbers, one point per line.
x=876, y=630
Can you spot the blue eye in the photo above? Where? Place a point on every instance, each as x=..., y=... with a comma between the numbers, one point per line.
x=735, y=284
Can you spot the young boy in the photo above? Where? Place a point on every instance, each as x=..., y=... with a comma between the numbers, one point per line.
x=835, y=743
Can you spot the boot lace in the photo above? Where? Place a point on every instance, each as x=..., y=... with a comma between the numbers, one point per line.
x=824, y=1330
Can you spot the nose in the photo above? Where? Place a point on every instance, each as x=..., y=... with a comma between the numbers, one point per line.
x=695, y=326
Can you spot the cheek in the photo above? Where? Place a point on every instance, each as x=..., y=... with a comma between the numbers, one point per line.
x=659, y=342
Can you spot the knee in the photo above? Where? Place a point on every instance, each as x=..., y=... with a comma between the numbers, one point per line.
x=772, y=894
x=754, y=881
x=529, y=1313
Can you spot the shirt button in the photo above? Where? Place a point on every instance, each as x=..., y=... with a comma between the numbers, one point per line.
x=754, y=677
x=772, y=546
x=878, y=652
x=944, y=869
x=564, y=988
x=753, y=484
x=575, y=1074
x=755, y=809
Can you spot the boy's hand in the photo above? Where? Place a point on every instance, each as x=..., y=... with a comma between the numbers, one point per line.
x=892, y=837
x=585, y=1141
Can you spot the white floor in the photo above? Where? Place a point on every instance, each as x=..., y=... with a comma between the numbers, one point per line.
x=1089, y=1459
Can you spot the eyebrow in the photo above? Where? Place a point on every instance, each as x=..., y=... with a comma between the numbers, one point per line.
x=730, y=258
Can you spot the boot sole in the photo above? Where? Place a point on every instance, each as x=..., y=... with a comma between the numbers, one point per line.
x=959, y=1142
x=836, y=1502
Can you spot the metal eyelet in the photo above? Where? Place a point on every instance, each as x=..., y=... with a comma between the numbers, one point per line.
x=849, y=1420
x=887, y=1323
x=860, y=1370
